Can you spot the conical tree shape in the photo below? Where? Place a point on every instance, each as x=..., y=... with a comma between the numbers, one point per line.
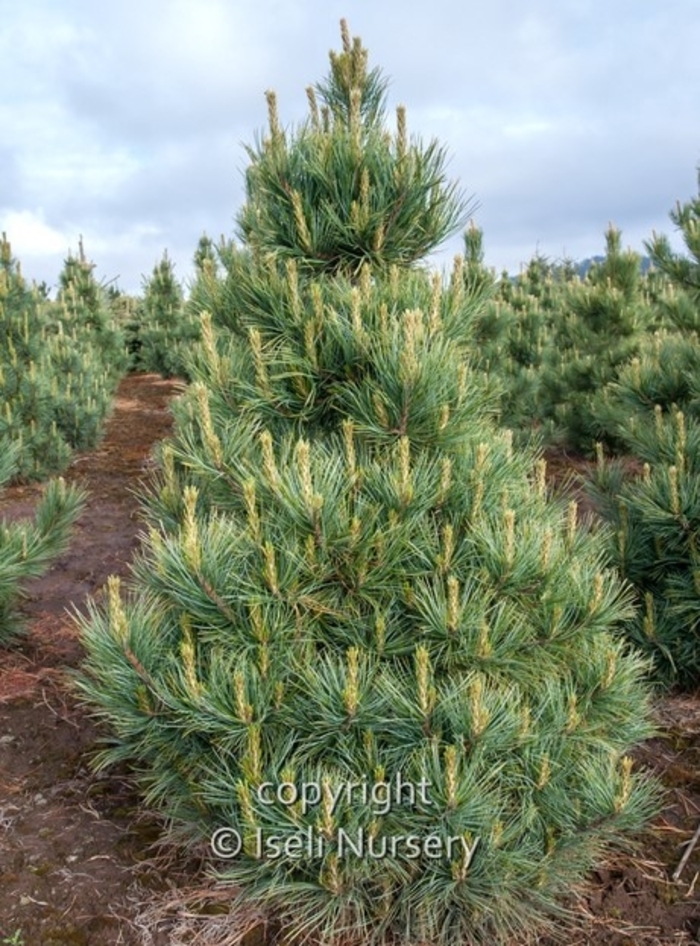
x=343, y=191
x=362, y=638
x=59, y=364
x=166, y=328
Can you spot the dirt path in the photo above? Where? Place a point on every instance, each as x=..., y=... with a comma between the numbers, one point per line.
x=75, y=856
x=70, y=844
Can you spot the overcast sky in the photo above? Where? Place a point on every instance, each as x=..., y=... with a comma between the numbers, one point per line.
x=125, y=121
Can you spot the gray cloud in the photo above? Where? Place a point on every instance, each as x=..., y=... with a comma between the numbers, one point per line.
x=125, y=122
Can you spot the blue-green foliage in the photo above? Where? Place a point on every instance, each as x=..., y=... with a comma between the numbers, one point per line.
x=554, y=342
x=352, y=576
x=165, y=327
x=653, y=406
x=59, y=365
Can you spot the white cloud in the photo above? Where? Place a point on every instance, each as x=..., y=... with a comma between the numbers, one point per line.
x=31, y=236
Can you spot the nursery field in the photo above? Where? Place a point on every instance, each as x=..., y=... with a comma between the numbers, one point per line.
x=78, y=866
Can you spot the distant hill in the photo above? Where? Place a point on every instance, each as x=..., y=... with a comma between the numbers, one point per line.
x=584, y=265
x=580, y=267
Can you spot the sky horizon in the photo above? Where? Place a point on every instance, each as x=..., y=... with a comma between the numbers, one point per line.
x=126, y=124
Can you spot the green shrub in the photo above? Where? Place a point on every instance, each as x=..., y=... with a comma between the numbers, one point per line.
x=27, y=547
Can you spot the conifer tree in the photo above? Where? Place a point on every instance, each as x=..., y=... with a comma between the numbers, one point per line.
x=87, y=352
x=352, y=582
x=344, y=191
x=205, y=255
x=556, y=342
x=59, y=364
x=27, y=420
x=655, y=517
x=507, y=333
x=77, y=280
x=86, y=308
x=655, y=526
x=165, y=328
x=604, y=325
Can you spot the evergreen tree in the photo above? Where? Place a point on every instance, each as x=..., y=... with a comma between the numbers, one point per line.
x=205, y=255
x=77, y=282
x=654, y=537
x=477, y=277
x=619, y=269
x=166, y=327
x=507, y=332
x=59, y=364
x=87, y=351
x=343, y=191
x=352, y=582
x=655, y=517
x=555, y=343
x=28, y=428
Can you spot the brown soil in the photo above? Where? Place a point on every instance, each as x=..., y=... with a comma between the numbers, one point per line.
x=72, y=846
x=76, y=855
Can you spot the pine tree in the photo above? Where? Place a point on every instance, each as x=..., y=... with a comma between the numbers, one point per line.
x=59, y=365
x=507, y=337
x=352, y=582
x=87, y=352
x=654, y=520
x=655, y=517
x=477, y=277
x=344, y=191
x=166, y=328
x=205, y=255
x=27, y=420
x=557, y=342
x=77, y=282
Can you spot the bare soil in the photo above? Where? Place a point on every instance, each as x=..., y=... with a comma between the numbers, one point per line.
x=73, y=845
x=77, y=864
